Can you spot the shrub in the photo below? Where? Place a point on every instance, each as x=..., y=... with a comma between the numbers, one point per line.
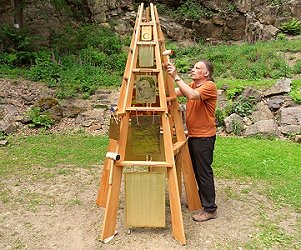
x=243, y=106
x=39, y=119
x=220, y=117
x=183, y=65
x=292, y=27
x=237, y=128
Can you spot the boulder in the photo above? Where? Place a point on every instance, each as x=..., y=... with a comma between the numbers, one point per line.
x=281, y=87
x=264, y=127
x=232, y=121
x=262, y=112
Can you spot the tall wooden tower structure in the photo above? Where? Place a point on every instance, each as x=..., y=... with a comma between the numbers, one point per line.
x=147, y=132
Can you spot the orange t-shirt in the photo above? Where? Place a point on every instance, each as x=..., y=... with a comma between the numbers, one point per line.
x=200, y=114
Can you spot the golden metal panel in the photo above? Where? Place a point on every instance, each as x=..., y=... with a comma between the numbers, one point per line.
x=146, y=56
x=146, y=89
x=146, y=33
x=145, y=199
x=114, y=131
x=145, y=134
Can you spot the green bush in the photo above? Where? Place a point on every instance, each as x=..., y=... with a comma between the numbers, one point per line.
x=191, y=9
x=73, y=40
x=13, y=39
x=292, y=27
x=40, y=119
x=237, y=128
x=220, y=116
x=243, y=106
x=183, y=65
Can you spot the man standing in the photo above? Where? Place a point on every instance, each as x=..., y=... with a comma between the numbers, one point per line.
x=201, y=96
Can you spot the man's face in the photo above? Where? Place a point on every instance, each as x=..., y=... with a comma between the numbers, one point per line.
x=199, y=71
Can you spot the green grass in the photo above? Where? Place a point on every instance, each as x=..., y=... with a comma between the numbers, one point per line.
x=273, y=162
x=51, y=150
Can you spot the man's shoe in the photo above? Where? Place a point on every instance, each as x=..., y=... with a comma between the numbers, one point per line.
x=204, y=216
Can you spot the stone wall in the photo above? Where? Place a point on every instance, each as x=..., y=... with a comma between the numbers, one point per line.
x=274, y=114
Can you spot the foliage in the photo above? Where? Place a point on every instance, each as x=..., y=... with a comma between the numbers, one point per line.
x=220, y=115
x=291, y=27
x=237, y=128
x=231, y=93
x=39, y=118
x=191, y=9
x=296, y=91
x=188, y=10
x=13, y=39
x=243, y=106
x=183, y=65
x=71, y=40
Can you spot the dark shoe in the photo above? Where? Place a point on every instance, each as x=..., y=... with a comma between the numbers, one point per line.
x=204, y=216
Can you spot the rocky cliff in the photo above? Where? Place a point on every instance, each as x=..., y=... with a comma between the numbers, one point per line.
x=236, y=20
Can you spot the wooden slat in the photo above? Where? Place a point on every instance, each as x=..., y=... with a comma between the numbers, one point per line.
x=145, y=70
x=104, y=181
x=145, y=109
x=174, y=195
x=192, y=195
x=110, y=215
x=177, y=146
x=143, y=163
x=146, y=43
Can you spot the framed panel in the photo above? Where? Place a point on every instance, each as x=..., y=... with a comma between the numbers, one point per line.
x=146, y=89
x=145, y=199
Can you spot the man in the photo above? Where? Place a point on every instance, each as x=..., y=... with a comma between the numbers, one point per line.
x=201, y=96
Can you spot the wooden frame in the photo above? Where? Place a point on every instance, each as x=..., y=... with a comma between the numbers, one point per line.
x=174, y=137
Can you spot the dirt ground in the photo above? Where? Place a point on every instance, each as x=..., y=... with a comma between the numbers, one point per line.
x=55, y=209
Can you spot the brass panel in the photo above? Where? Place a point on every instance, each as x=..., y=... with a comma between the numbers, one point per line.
x=146, y=89
x=130, y=155
x=145, y=134
x=146, y=33
x=114, y=131
x=146, y=56
x=145, y=199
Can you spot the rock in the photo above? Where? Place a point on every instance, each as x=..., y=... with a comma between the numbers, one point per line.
x=232, y=121
x=72, y=108
x=262, y=112
x=8, y=127
x=290, y=129
x=90, y=117
x=3, y=142
x=46, y=103
x=264, y=127
x=281, y=87
x=290, y=116
x=298, y=138
x=252, y=93
x=222, y=101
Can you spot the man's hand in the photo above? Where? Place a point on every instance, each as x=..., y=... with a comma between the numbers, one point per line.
x=171, y=69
